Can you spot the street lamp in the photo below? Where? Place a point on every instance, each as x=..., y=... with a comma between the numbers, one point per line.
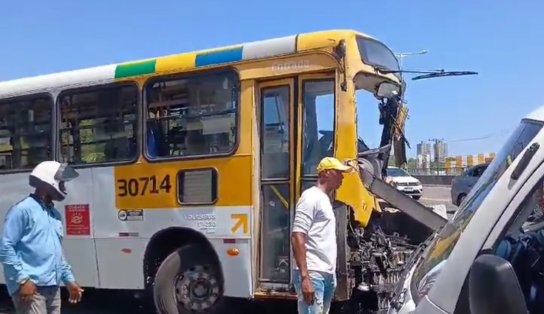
x=401, y=55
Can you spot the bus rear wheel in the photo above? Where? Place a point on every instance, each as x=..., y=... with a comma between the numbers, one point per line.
x=189, y=280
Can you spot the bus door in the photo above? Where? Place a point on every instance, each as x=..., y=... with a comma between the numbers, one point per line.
x=296, y=130
x=275, y=116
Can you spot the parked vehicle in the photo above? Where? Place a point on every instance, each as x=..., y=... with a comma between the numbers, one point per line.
x=461, y=185
x=487, y=258
x=405, y=182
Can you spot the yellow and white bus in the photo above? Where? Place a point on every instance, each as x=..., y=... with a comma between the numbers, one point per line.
x=191, y=164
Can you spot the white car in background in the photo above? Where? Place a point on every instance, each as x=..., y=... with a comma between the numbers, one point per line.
x=404, y=182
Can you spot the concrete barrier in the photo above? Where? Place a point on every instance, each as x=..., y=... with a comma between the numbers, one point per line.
x=435, y=180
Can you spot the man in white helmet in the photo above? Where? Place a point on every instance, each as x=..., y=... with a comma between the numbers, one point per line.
x=31, y=244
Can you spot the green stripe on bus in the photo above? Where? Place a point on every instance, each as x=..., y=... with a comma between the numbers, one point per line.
x=134, y=69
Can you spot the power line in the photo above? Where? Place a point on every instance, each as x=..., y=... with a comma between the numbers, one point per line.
x=471, y=139
x=480, y=138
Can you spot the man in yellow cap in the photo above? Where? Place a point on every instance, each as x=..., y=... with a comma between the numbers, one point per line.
x=314, y=240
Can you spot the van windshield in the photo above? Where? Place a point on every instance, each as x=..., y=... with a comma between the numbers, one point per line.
x=440, y=248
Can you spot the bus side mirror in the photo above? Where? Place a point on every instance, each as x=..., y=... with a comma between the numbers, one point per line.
x=387, y=90
x=494, y=287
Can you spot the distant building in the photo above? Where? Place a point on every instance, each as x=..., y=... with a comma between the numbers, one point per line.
x=424, y=149
x=440, y=151
x=424, y=156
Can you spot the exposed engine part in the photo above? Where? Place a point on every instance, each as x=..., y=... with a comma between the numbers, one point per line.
x=376, y=262
x=379, y=251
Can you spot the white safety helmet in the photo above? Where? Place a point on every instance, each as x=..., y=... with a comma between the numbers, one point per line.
x=51, y=175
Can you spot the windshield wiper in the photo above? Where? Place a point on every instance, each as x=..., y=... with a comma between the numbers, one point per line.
x=427, y=74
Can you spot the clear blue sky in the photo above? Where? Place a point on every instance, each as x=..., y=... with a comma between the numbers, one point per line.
x=502, y=40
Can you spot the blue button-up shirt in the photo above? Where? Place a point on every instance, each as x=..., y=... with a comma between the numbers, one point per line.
x=31, y=246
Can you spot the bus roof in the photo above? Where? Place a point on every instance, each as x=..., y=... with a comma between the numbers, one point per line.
x=178, y=62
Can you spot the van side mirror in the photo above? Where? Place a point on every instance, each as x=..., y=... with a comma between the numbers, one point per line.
x=494, y=287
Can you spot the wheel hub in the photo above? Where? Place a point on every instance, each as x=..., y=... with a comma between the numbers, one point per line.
x=200, y=288
x=197, y=288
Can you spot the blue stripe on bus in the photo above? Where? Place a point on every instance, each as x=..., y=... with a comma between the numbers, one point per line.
x=216, y=57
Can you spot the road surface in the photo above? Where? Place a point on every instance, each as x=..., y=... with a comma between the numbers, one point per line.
x=113, y=303
x=438, y=195
x=93, y=302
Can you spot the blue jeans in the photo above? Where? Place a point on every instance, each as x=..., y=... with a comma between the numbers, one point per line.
x=324, y=286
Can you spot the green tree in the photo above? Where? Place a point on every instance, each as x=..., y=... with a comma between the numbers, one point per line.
x=391, y=162
x=412, y=163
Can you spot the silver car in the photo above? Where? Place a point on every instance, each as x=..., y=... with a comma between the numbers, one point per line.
x=461, y=185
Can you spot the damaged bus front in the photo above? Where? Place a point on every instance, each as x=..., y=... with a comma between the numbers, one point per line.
x=378, y=240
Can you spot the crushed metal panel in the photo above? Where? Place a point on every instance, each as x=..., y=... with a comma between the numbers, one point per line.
x=405, y=203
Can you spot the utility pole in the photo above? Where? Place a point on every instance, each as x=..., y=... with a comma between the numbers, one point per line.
x=401, y=55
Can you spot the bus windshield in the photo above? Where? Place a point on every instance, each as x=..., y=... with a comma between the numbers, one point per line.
x=442, y=245
x=376, y=54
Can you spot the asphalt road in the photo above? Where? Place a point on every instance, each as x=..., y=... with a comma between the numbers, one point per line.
x=438, y=195
x=95, y=302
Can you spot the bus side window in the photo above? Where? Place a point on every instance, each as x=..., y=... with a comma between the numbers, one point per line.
x=25, y=132
x=153, y=140
x=99, y=124
x=191, y=116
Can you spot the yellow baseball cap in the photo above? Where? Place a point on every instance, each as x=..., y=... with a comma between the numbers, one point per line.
x=329, y=163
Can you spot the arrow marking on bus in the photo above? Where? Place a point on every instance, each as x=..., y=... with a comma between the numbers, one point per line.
x=242, y=221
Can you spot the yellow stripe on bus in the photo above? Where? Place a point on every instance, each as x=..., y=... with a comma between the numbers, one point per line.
x=178, y=62
x=156, y=185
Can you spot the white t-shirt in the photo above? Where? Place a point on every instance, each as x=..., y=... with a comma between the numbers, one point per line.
x=314, y=216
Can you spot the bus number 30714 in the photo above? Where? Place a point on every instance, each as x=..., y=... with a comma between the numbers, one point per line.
x=143, y=186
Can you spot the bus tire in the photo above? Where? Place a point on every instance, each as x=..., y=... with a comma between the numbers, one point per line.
x=189, y=280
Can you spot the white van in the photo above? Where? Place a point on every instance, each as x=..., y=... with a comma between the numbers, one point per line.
x=462, y=268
